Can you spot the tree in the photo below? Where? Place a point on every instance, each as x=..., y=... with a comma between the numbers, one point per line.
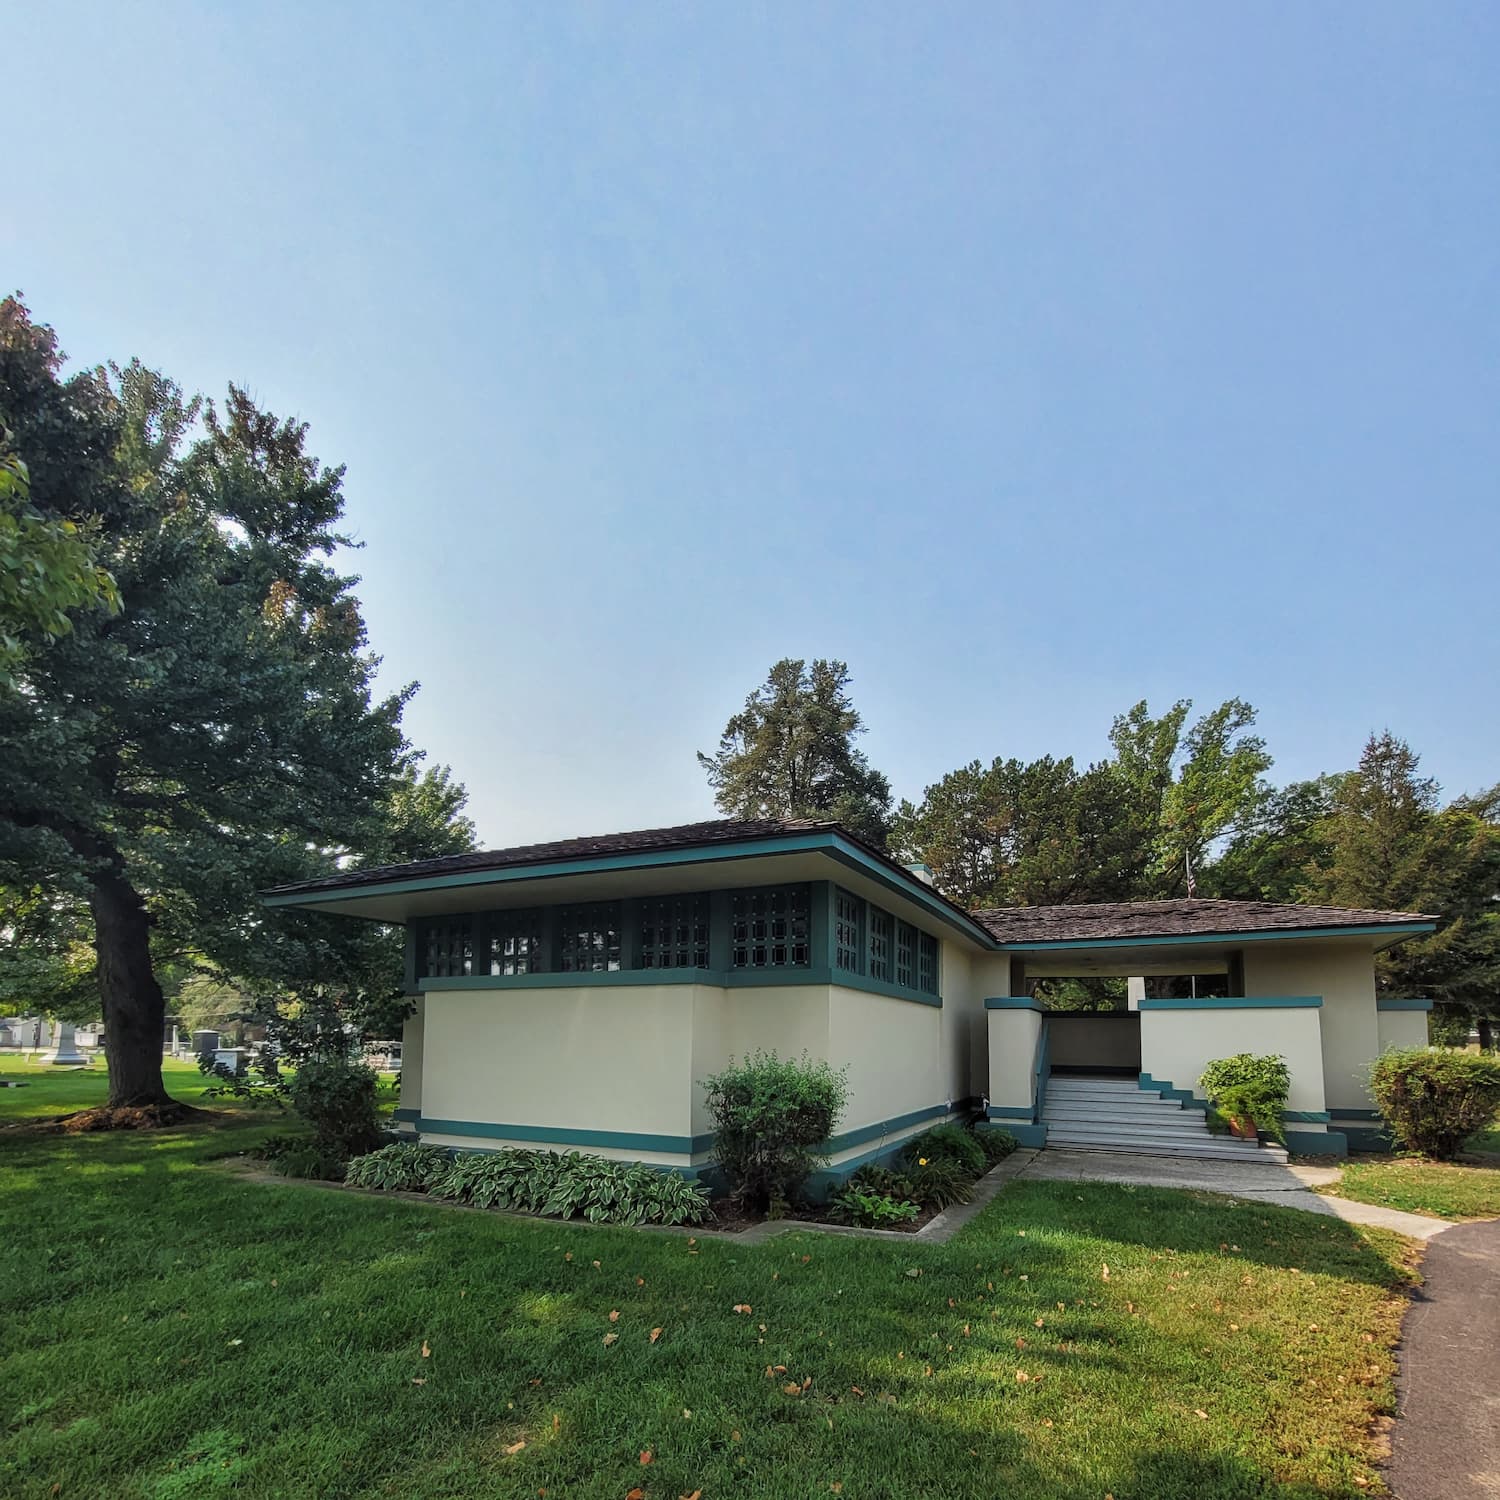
x=790, y=753
x=219, y=732
x=1268, y=857
x=1043, y=832
x=1387, y=843
x=48, y=567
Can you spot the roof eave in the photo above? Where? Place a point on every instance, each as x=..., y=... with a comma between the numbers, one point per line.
x=838, y=844
x=1393, y=931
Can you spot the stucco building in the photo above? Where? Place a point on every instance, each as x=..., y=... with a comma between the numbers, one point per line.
x=574, y=995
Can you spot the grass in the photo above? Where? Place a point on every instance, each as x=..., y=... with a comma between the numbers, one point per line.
x=1448, y=1190
x=175, y=1331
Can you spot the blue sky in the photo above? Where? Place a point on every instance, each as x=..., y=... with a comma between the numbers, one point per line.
x=1034, y=358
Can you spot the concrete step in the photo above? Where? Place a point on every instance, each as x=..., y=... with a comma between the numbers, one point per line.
x=1215, y=1147
x=1124, y=1113
x=1125, y=1124
x=1063, y=1089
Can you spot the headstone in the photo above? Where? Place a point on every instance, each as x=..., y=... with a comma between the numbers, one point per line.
x=64, y=1049
x=205, y=1043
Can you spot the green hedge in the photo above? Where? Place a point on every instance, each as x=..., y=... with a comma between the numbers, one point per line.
x=1434, y=1101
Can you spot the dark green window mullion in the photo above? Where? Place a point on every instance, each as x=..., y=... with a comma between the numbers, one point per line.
x=479, y=937
x=630, y=933
x=1236, y=985
x=821, y=925
x=412, y=958
x=547, y=930
x=718, y=930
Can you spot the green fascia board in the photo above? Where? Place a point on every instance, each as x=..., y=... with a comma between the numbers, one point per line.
x=730, y=979
x=1199, y=939
x=1239, y=1002
x=1013, y=1002
x=1008, y=1112
x=828, y=843
x=1403, y=1005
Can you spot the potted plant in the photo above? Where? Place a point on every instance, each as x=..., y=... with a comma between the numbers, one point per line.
x=1250, y=1092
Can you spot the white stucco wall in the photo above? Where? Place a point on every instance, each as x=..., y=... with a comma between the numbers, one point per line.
x=1082, y=1040
x=1177, y=1044
x=1401, y=1028
x=590, y=1058
x=1012, y=1056
x=1343, y=973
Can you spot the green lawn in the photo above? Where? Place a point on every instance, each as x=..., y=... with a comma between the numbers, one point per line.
x=174, y=1331
x=54, y=1091
x=1448, y=1190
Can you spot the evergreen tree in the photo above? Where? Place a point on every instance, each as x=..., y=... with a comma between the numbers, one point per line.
x=790, y=753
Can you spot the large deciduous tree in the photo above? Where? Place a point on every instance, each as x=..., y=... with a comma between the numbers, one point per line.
x=790, y=753
x=219, y=732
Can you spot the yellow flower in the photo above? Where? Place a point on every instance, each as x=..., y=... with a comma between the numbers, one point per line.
x=921, y=1161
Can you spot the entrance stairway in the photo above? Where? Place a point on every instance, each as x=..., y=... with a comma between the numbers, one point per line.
x=1113, y=1114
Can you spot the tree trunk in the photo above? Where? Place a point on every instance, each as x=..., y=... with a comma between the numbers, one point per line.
x=134, y=1010
x=1486, y=1033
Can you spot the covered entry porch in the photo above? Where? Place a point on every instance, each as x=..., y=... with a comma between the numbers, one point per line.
x=1123, y=1075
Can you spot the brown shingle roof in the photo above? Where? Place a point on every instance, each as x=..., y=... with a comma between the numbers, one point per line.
x=641, y=841
x=1110, y=921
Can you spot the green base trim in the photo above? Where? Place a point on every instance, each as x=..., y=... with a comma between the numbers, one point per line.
x=933, y=1114
x=1239, y=1002
x=1366, y=1138
x=1356, y=1114
x=1307, y=1116
x=1026, y=1135
x=1013, y=1002
x=727, y=979
x=620, y=1140
x=1317, y=1143
x=1008, y=1112
x=1403, y=1005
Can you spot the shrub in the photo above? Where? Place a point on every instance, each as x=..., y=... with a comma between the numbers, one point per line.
x=403, y=1166
x=337, y=1098
x=771, y=1115
x=308, y=1159
x=258, y=1084
x=873, y=1210
x=536, y=1182
x=1247, y=1087
x=882, y=1182
x=1434, y=1101
x=951, y=1143
x=995, y=1143
x=938, y=1181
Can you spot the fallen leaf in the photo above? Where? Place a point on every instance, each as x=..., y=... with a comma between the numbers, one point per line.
x=640, y=1281
x=568, y=1255
x=1201, y=1415
x=609, y=1338
x=1022, y=1377
x=966, y=1330
x=791, y=1388
x=598, y=1265
x=734, y=1437
x=687, y=1415
x=915, y=1271
x=426, y=1352
x=636, y=1494
x=741, y=1307
x=515, y=1447
x=614, y=1316
x=857, y=1391
x=419, y=1380
x=696, y=1495
x=655, y=1334
x=836, y=1487
x=556, y=1422
x=646, y=1456
x=1039, y=1323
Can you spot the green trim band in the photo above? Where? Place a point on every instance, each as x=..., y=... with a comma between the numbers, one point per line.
x=1007, y=1112
x=1025, y=1134
x=1356, y=1114
x=1013, y=1002
x=857, y=1137
x=729, y=979
x=1306, y=1116
x=620, y=1140
x=845, y=853
x=1185, y=1097
x=1403, y=1005
x=1199, y=939
x=1239, y=1002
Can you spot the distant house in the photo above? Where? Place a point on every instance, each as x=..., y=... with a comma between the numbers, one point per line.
x=574, y=994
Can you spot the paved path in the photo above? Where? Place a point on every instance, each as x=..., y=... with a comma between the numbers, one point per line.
x=1286, y=1186
x=1447, y=1440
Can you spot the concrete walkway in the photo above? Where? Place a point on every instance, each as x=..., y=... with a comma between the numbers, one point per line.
x=1285, y=1186
x=1446, y=1445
